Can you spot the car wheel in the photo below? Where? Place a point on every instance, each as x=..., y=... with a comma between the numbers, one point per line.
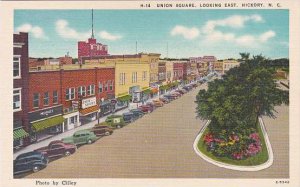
x=36, y=169
x=67, y=153
x=107, y=133
x=89, y=141
x=118, y=126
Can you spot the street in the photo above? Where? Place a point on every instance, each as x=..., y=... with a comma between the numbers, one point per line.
x=160, y=145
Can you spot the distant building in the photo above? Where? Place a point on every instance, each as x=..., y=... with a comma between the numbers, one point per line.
x=65, y=60
x=228, y=64
x=91, y=49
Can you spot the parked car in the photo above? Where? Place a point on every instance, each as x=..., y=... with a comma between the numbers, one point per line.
x=150, y=103
x=81, y=137
x=187, y=88
x=115, y=121
x=180, y=91
x=146, y=108
x=164, y=100
x=158, y=103
x=57, y=148
x=137, y=112
x=194, y=85
x=31, y=161
x=129, y=117
x=175, y=94
x=102, y=129
x=170, y=97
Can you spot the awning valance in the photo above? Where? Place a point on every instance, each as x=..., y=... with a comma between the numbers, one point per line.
x=124, y=98
x=89, y=110
x=41, y=125
x=20, y=134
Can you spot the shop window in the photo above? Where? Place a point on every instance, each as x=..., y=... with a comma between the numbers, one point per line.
x=17, y=99
x=36, y=100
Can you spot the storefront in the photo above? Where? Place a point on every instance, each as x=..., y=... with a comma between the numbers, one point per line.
x=19, y=135
x=46, y=123
x=106, y=107
x=71, y=120
x=122, y=102
x=88, y=110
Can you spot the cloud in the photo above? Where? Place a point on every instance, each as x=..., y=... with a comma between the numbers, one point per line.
x=108, y=36
x=267, y=35
x=187, y=33
x=36, y=31
x=211, y=33
x=64, y=31
x=235, y=21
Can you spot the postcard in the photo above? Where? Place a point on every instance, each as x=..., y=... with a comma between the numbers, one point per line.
x=149, y=93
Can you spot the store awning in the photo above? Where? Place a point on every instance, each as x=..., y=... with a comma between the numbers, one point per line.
x=124, y=98
x=41, y=125
x=20, y=134
x=154, y=90
x=89, y=110
x=147, y=91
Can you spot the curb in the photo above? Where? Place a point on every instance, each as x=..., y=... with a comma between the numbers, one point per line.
x=265, y=165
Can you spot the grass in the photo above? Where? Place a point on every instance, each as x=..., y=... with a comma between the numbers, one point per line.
x=258, y=159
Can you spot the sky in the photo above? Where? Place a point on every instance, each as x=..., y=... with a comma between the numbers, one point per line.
x=172, y=33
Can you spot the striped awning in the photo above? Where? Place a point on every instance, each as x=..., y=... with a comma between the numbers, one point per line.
x=41, y=125
x=20, y=134
x=89, y=110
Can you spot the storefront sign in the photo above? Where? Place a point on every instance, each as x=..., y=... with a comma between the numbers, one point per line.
x=45, y=113
x=88, y=102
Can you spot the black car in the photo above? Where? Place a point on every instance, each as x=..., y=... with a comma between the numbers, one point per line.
x=31, y=161
x=187, y=88
x=129, y=117
x=137, y=113
x=169, y=97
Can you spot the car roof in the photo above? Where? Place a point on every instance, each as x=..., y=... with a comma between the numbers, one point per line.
x=127, y=113
x=82, y=131
x=135, y=110
x=29, y=154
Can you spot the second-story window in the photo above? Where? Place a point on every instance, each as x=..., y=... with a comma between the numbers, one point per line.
x=70, y=94
x=122, y=79
x=111, y=86
x=144, y=75
x=100, y=87
x=46, y=98
x=55, y=97
x=36, y=100
x=91, y=89
x=17, y=99
x=17, y=66
x=134, y=77
x=81, y=91
x=106, y=85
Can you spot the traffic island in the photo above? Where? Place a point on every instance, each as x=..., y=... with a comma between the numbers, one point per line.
x=257, y=156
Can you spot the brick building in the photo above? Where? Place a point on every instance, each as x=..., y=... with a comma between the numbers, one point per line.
x=67, y=99
x=91, y=49
x=20, y=90
x=178, y=69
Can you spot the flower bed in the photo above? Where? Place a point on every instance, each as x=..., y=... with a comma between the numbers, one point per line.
x=237, y=149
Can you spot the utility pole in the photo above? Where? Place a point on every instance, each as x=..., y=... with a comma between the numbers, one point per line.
x=92, y=24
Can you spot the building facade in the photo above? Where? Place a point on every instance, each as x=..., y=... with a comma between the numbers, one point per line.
x=67, y=100
x=218, y=66
x=20, y=65
x=228, y=64
x=91, y=49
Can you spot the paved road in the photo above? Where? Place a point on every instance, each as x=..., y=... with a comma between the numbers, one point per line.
x=160, y=145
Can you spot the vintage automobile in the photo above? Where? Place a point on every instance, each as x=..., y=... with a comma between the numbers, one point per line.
x=81, y=137
x=129, y=117
x=137, y=112
x=57, y=148
x=102, y=129
x=158, y=103
x=30, y=161
x=146, y=108
x=115, y=121
x=164, y=100
x=175, y=94
x=170, y=97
